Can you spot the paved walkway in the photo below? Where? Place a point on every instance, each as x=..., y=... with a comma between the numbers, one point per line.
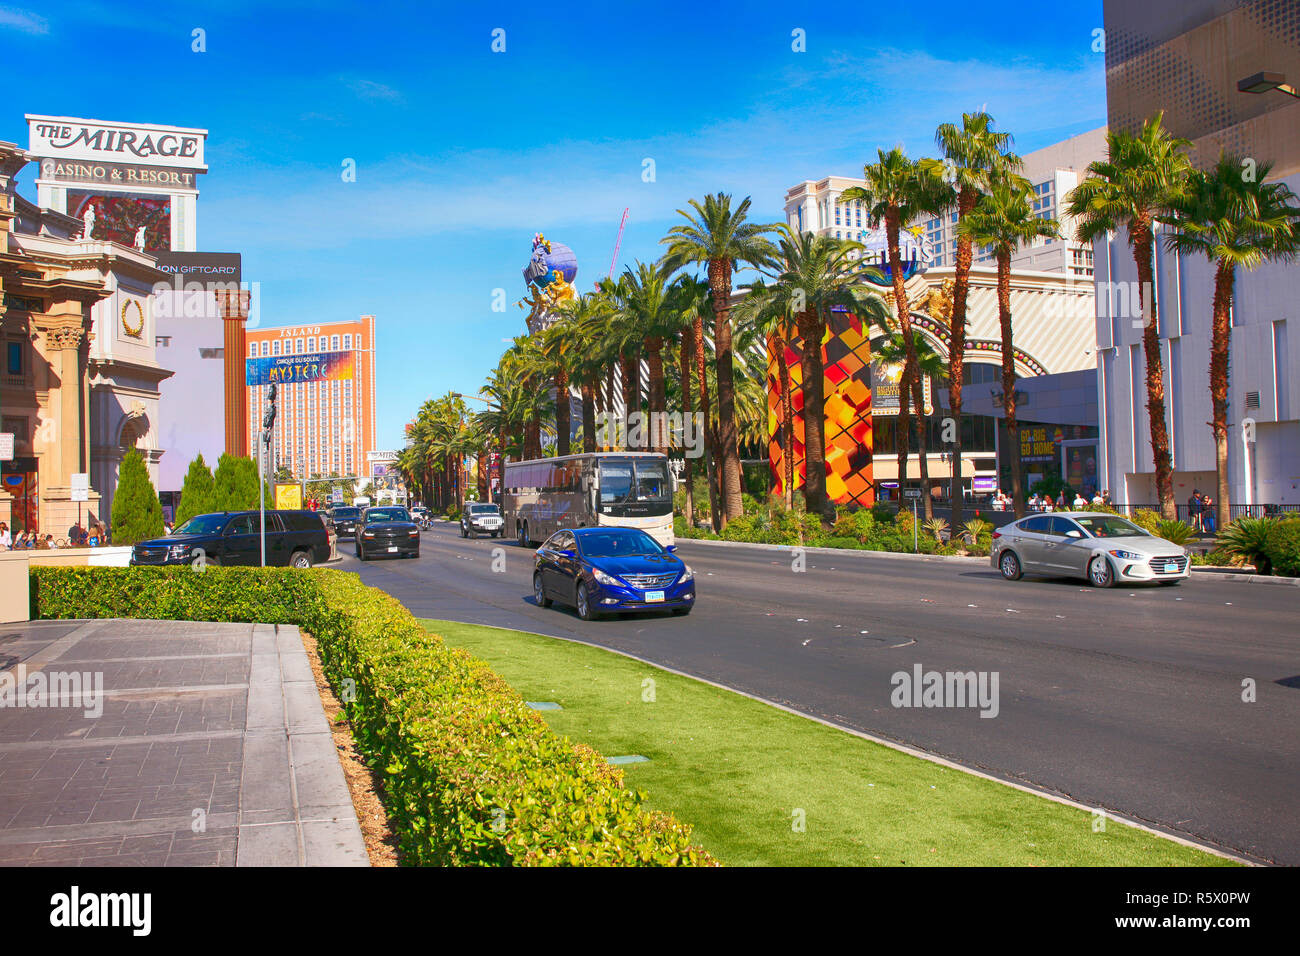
x=165, y=743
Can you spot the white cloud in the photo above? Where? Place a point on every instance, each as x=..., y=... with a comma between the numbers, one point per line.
x=371, y=90
x=23, y=20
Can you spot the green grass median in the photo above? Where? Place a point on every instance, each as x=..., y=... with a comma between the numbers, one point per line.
x=764, y=787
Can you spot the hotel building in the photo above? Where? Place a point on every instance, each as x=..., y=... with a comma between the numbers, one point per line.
x=326, y=427
x=1186, y=57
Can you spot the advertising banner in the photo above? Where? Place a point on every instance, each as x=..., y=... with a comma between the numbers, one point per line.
x=67, y=137
x=290, y=369
x=1079, y=465
x=288, y=496
x=119, y=217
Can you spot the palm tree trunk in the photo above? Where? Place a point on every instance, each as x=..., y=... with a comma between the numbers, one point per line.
x=716, y=514
x=1221, y=338
x=1143, y=240
x=1009, y=380
x=905, y=326
x=923, y=447
x=685, y=362
x=957, y=351
x=588, y=415
x=811, y=326
x=728, y=436
x=658, y=398
x=562, y=424
x=787, y=419
x=631, y=397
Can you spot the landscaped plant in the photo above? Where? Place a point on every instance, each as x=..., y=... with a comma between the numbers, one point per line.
x=1249, y=538
x=974, y=529
x=137, y=513
x=196, y=492
x=1176, y=531
x=937, y=528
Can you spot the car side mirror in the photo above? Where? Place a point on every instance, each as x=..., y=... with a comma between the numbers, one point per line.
x=565, y=553
x=1074, y=534
x=672, y=547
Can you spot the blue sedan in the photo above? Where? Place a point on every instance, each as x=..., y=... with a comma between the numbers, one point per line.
x=609, y=570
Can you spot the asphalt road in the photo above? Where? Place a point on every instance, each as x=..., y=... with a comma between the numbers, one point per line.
x=1128, y=699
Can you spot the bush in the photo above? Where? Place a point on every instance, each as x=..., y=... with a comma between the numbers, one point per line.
x=234, y=486
x=1176, y=531
x=137, y=513
x=1146, y=519
x=196, y=493
x=471, y=775
x=1249, y=539
x=1284, y=548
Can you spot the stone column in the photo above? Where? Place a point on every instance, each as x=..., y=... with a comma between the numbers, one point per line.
x=234, y=314
x=65, y=343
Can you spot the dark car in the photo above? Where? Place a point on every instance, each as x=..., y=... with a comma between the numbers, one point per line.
x=385, y=531
x=481, y=518
x=611, y=570
x=344, y=518
x=293, y=538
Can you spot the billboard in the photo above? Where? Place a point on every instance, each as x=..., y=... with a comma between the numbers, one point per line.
x=288, y=496
x=291, y=369
x=119, y=217
x=67, y=137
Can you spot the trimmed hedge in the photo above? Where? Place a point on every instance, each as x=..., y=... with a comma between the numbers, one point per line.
x=472, y=776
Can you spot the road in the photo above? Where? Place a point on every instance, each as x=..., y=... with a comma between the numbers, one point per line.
x=1129, y=699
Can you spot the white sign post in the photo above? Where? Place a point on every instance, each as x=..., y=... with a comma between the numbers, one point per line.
x=80, y=491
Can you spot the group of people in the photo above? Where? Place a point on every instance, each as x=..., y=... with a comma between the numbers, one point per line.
x=78, y=537
x=1200, y=512
x=1002, y=501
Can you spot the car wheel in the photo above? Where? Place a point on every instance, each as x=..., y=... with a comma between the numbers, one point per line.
x=1009, y=565
x=585, y=610
x=681, y=611
x=539, y=592
x=473, y=534
x=1100, y=572
x=523, y=535
x=300, y=559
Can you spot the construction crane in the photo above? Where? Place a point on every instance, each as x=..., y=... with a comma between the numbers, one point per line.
x=618, y=243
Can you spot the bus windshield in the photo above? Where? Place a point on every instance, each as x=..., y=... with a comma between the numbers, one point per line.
x=634, y=481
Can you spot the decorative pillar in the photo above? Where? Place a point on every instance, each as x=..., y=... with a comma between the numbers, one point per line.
x=234, y=315
x=66, y=342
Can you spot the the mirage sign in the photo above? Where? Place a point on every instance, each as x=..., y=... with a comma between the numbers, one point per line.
x=63, y=137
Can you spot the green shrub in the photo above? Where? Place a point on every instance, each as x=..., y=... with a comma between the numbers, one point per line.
x=839, y=542
x=1249, y=539
x=1176, y=531
x=1146, y=519
x=471, y=775
x=1284, y=548
x=937, y=528
x=137, y=513
x=196, y=492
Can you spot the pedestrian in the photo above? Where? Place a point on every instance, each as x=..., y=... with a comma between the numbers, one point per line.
x=1208, y=519
x=1080, y=502
x=92, y=539
x=1194, y=510
x=6, y=539
x=20, y=542
x=77, y=536
x=49, y=541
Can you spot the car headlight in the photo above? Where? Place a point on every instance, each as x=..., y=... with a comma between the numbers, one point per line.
x=607, y=579
x=179, y=550
x=1126, y=555
x=688, y=574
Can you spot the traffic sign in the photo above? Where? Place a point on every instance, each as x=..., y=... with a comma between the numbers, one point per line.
x=911, y=492
x=80, y=486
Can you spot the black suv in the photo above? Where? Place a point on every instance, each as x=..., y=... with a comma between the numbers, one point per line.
x=345, y=518
x=294, y=538
x=387, y=530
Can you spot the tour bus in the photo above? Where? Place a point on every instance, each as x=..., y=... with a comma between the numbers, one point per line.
x=625, y=489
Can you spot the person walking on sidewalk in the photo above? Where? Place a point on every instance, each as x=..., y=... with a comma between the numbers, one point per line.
x=1194, y=510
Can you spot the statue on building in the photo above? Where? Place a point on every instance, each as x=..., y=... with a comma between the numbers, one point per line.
x=139, y=238
x=550, y=273
x=88, y=223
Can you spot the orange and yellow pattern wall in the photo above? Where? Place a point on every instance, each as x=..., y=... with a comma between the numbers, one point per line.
x=847, y=389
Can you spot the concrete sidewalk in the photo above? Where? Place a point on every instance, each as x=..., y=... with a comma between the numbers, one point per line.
x=172, y=744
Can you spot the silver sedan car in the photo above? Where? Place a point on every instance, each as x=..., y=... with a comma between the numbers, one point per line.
x=1104, y=548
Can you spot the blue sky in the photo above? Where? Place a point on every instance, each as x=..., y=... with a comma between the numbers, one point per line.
x=462, y=154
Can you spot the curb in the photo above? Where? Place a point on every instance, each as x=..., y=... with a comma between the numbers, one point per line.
x=1247, y=577
x=906, y=555
x=893, y=744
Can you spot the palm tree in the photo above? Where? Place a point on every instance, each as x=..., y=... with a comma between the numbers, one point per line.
x=975, y=154
x=777, y=330
x=1234, y=222
x=898, y=191
x=558, y=343
x=652, y=317
x=1142, y=179
x=1003, y=220
x=724, y=240
x=929, y=364
x=819, y=273
x=696, y=304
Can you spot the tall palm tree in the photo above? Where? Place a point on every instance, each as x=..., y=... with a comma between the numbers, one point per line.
x=931, y=364
x=777, y=330
x=819, y=273
x=898, y=191
x=652, y=318
x=1004, y=220
x=974, y=154
x=1234, y=222
x=1143, y=177
x=559, y=343
x=724, y=240
x=696, y=303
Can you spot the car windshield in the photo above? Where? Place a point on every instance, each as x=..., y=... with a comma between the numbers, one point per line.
x=1110, y=526
x=623, y=482
x=484, y=510
x=612, y=544
x=348, y=513
x=386, y=514
x=202, y=524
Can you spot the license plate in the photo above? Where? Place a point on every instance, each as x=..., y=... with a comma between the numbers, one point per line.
x=1171, y=568
x=391, y=550
x=653, y=596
